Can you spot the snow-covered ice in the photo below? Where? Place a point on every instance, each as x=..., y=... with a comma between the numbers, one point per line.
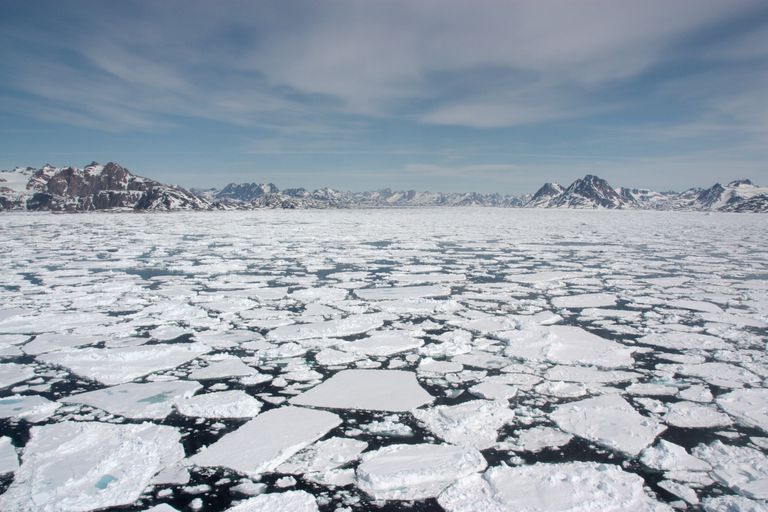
x=415, y=471
x=79, y=466
x=610, y=421
x=267, y=441
x=288, y=351
x=375, y=390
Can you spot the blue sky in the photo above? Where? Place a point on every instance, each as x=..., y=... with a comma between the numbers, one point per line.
x=431, y=94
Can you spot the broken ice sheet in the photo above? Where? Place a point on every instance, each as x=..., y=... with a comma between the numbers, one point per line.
x=149, y=400
x=475, y=423
x=118, y=365
x=743, y=469
x=289, y=501
x=323, y=456
x=610, y=421
x=415, y=471
x=586, y=486
x=33, y=408
x=280, y=433
x=9, y=460
x=224, y=404
x=80, y=466
x=12, y=373
x=376, y=390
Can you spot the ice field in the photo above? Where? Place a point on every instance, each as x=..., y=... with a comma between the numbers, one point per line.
x=428, y=359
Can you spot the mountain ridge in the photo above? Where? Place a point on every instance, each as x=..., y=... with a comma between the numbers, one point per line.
x=113, y=187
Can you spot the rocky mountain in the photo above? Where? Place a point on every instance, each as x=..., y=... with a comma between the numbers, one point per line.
x=110, y=186
x=594, y=192
x=587, y=192
x=253, y=195
x=94, y=187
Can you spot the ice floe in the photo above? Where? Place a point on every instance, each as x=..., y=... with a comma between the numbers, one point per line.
x=376, y=390
x=748, y=406
x=267, y=441
x=475, y=423
x=80, y=466
x=610, y=421
x=288, y=501
x=224, y=404
x=573, y=486
x=415, y=471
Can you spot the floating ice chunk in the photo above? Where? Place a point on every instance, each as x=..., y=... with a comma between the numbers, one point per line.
x=740, y=320
x=681, y=491
x=384, y=343
x=267, y=441
x=475, y=423
x=324, y=456
x=651, y=389
x=431, y=366
x=149, y=400
x=415, y=471
x=168, y=332
x=572, y=487
x=733, y=504
x=482, y=360
x=163, y=507
x=224, y=369
x=289, y=501
x=610, y=421
x=403, y=292
x=561, y=389
x=12, y=373
x=80, y=466
x=331, y=357
x=375, y=390
x=666, y=456
x=696, y=393
x=587, y=300
x=33, y=408
x=588, y=375
x=9, y=460
x=117, y=365
x=487, y=324
x=748, y=406
x=692, y=415
x=493, y=390
x=565, y=344
x=348, y=326
x=541, y=277
x=50, y=342
x=696, y=305
x=538, y=438
x=226, y=404
x=723, y=375
x=677, y=340
x=743, y=469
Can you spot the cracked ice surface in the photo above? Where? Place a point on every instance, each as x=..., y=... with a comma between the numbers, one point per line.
x=289, y=351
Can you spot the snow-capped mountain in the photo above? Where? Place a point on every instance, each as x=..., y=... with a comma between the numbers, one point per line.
x=110, y=186
x=593, y=192
x=587, y=192
x=253, y=195
x=94, y=187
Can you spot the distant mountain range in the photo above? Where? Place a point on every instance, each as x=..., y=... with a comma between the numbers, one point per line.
x=110, y=186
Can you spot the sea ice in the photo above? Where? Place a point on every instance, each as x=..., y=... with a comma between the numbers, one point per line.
x=267, y=441
x=33, y=408
x=566, y=487
x=118, y=365
x=9, y=460
x=666, y=456
x=348, y=326
x=748, y=406
x=743, y=469
x=588, y=300
x=566, y=344
x=81, y=466
x=692, y=415
x=375, y=390
x=475, y=423
x=538, y=438
x=403, y=292
x=223, y=369
x=12, y=373
x=225, y=404
x=289, y=501
x=149, y=400
x=324, y=456
x=385, y=343
x=610, y=421
x=415, y=471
